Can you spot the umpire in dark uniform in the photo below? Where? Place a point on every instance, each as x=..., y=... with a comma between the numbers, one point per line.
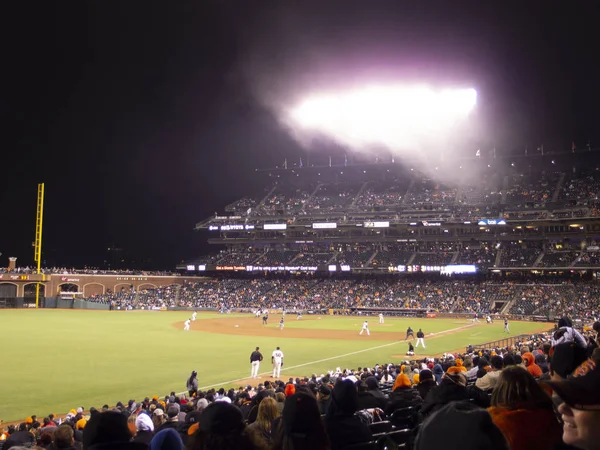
x=255, y=358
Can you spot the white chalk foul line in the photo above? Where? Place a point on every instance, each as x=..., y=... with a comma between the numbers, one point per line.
x=331, y=358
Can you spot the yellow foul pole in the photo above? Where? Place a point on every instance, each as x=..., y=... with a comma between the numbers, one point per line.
x=39, y=222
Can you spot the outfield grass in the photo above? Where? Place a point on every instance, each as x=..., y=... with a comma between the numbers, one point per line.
x=54, y=360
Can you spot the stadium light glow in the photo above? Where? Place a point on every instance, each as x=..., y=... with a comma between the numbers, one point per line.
x=385, y=114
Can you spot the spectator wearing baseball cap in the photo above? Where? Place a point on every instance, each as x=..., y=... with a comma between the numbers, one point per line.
x=580, y=410
x=518, y=399
x=564, y=359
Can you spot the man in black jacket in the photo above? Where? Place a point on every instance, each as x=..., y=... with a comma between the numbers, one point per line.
x=255, y=358
x=420, y=338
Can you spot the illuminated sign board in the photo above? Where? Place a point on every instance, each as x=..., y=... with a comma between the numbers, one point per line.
x=332, y=268
x=191, y=267
x=377, y=224
x=202, y=267
x=324, y=226
x=281, y=268
x=459, y=268
x=236, y=227
x=431, y=224
x=275, y=226
x=213, y=228
x=345, y=268
x=491, y=222
x=230, y=268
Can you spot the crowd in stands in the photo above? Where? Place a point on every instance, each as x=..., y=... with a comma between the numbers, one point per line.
x=540, y=393
x=87, y=271
x=584, y=187
x=520, y=194
x=580, y=299
x=484, y=255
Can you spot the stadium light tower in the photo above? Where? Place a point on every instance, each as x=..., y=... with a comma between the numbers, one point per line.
x=385, y=114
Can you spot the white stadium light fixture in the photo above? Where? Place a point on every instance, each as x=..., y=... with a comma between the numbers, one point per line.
x=385, y=114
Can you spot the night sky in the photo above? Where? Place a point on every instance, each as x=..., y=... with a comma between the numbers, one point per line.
x=143, y=118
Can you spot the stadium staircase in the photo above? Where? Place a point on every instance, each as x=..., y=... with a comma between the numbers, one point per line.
x=333, y=258
x=559, y=186
x=360, y=191
x=498, y=258
x=177, y=291
x=539, y=259
x=504, y=190
x=371, y=258
x=509, y=304
x=309, y=199
x=411, y=259
x=410, y=186
x=454, y=257
x=264, y=199
x=294, y=259
x=576, y=259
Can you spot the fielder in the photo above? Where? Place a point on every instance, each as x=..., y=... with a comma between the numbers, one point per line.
x=255, y=358
x=299, y=317
x=281, y=324
x=265, y=318
x=489, y=319
x=475, y=318
x=409, y=333
x=420, y=338
x=365, y=327
x=381, y=318
x=277, y=360
x=186, y=325
x=506, y=329
x=194, y=314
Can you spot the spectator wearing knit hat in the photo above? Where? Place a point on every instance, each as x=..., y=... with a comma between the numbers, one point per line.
x=518, y=399
x=403, y=395
x=343, y=427
x=373, y=387
x=426, y=382
x=301, y=427
x=144, y=429
x=222, y=428
x=460, y=426
x=453, y=388
x=109, y=430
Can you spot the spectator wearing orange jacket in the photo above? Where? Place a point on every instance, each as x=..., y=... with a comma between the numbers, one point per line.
x=531, y=366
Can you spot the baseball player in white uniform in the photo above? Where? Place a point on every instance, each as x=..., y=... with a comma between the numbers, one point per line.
x=365, y=327
x=186, y=325
x=194, y=314
x=277, y=360
x=381, y=318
